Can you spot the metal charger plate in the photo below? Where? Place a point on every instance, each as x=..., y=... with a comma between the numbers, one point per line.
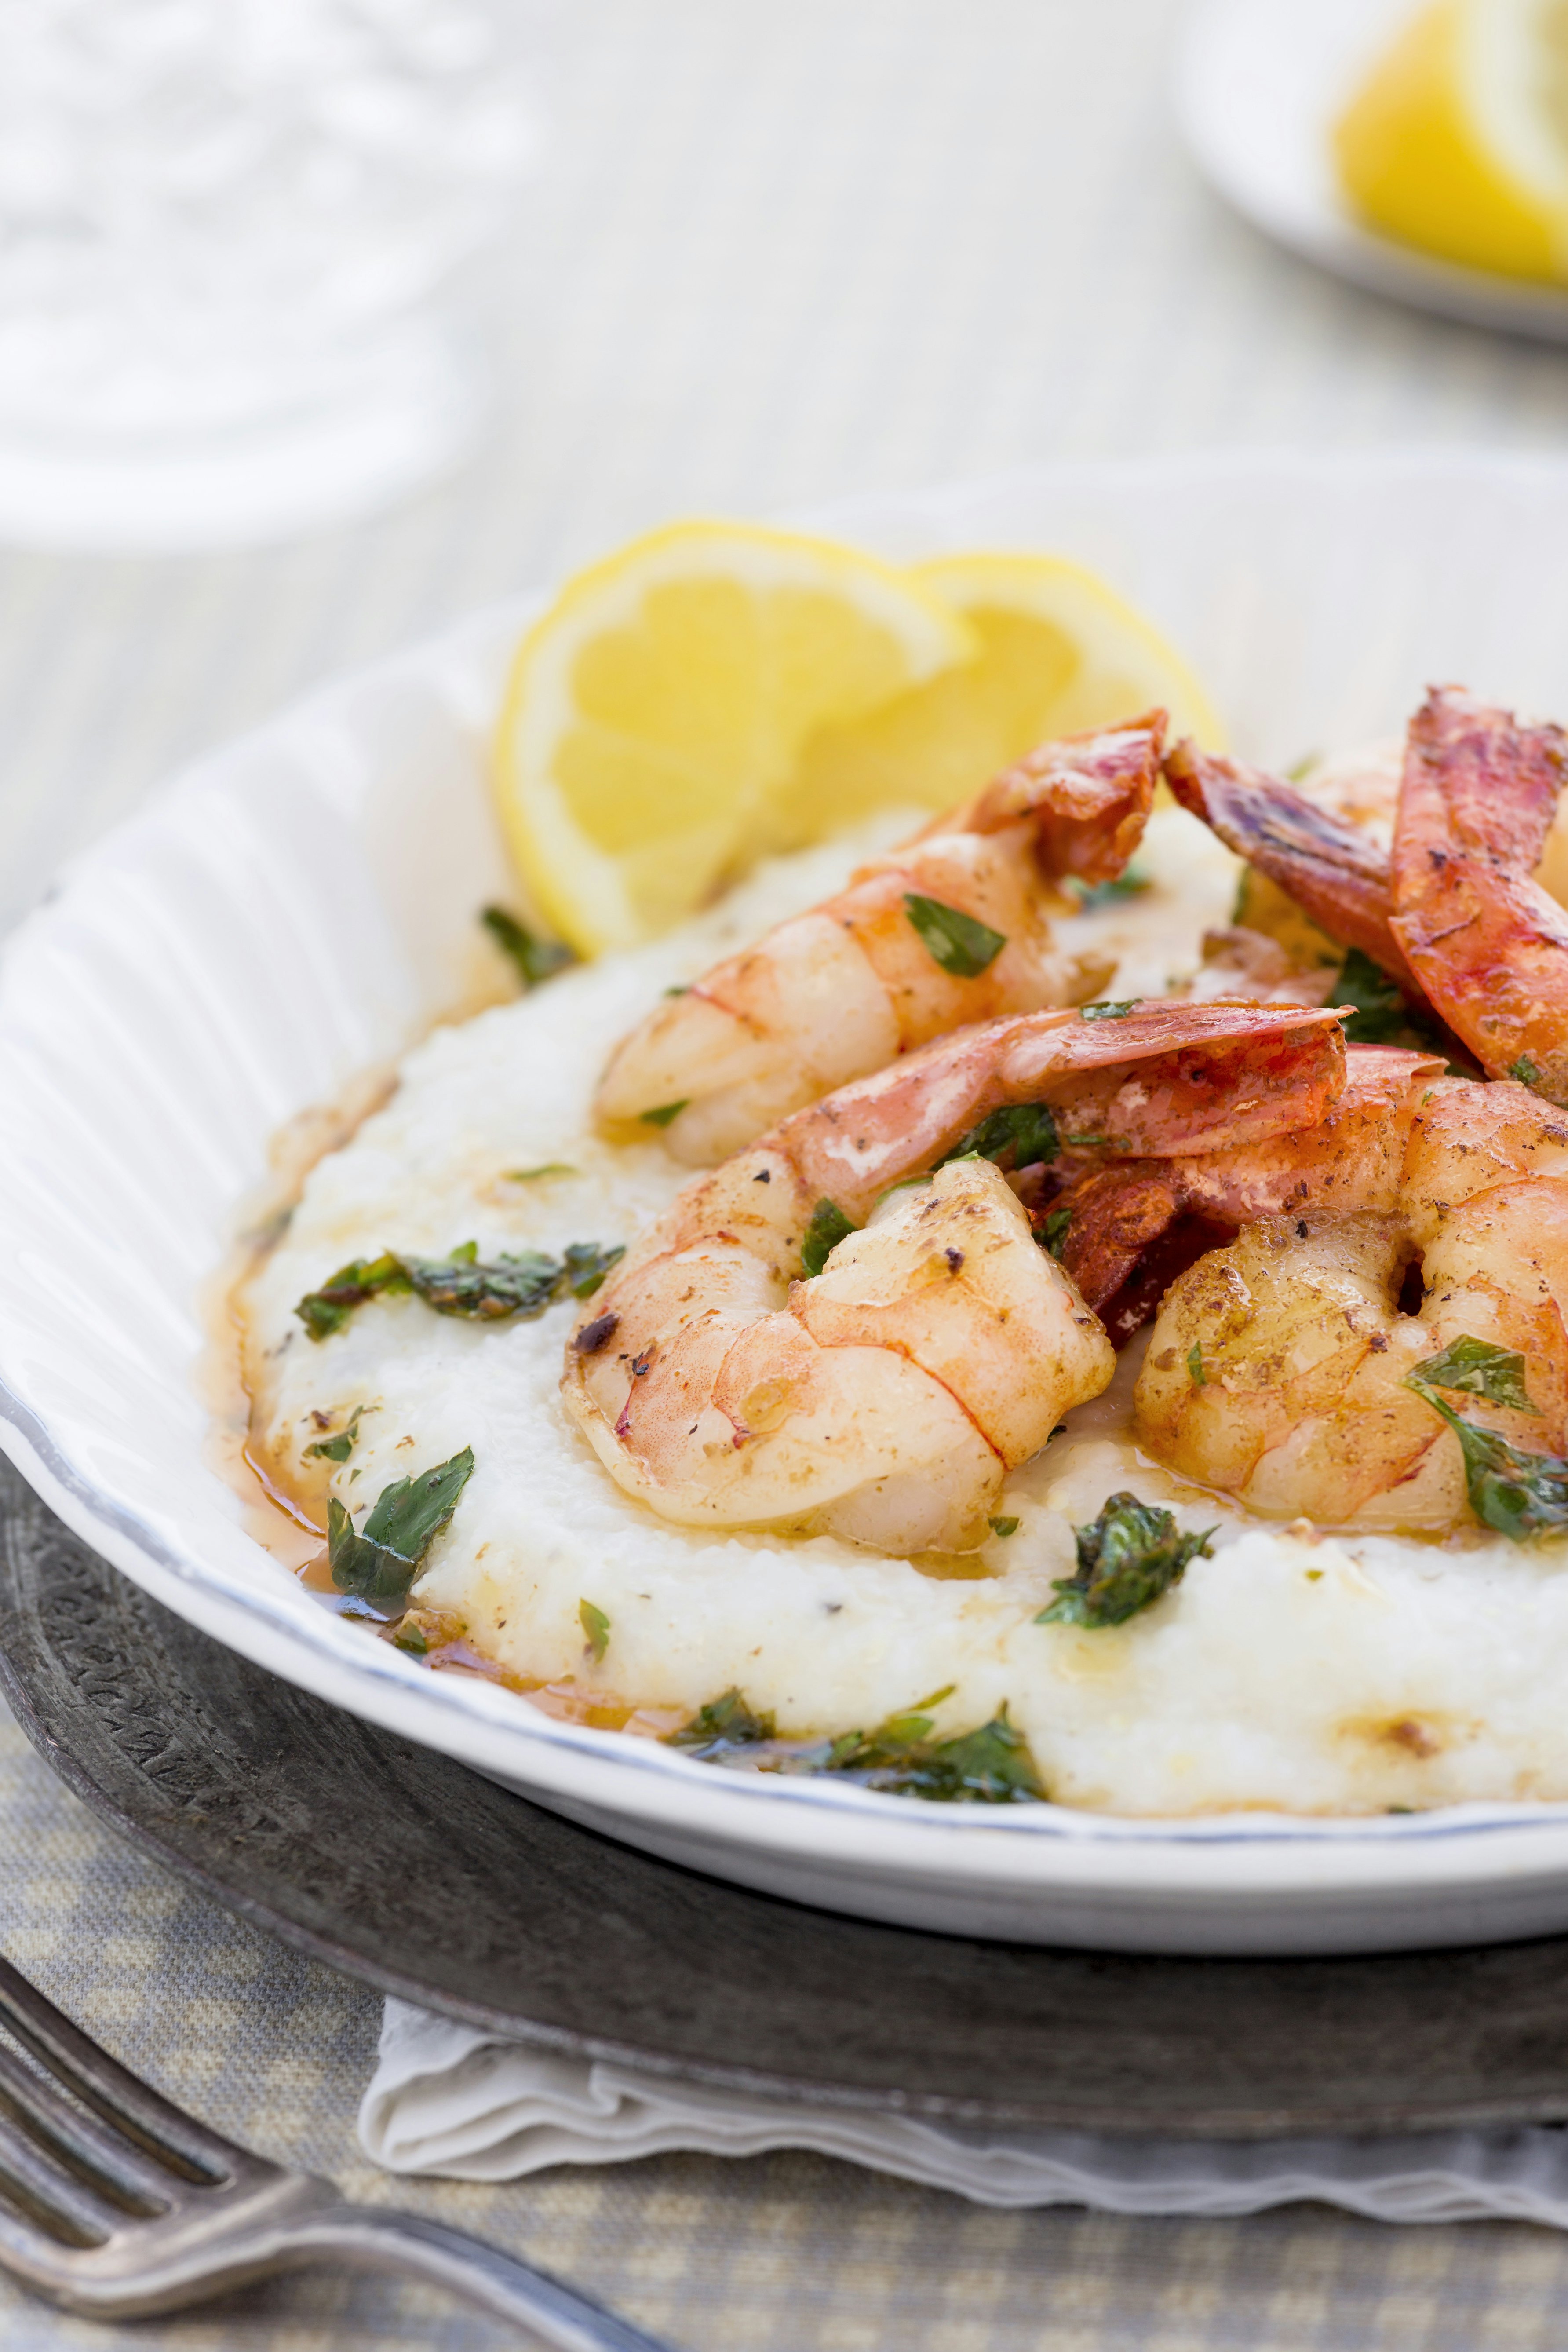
x=405, y=1869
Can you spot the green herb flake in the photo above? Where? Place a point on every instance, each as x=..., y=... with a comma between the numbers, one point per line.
x=989, y=1765
x=681, y=988
x=664, y=1114
x=411, y=1637
x=1086, y=1142
x=1128, y=1559
x=326, y=1310
x=1381, y=1015
x=1475, y=1368
x=1053, y=1231
x=1517, y=1494
x=1196, y=1372
x=596, y=1625
x=829, y=1226
x=1524, y=1072
x=536, y=959
x=1004, y=1527
x=485, y=1293
x=952, y=939
x=1091, y=895
x=585, y=1266
x=338, y=1448
x=521, y=1284
x=1026, y=1129
x=380, y=1560
x=1110, y=1010
x=722, y=1728
x=534, y=1175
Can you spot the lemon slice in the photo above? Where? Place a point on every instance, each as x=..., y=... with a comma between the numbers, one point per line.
x=1059, y=651
x=1458, y=142
x=657, y=711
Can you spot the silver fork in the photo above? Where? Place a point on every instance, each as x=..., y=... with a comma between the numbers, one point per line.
x=115, y=2204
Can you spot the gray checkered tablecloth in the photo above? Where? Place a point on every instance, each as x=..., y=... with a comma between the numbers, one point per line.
x=776, y=255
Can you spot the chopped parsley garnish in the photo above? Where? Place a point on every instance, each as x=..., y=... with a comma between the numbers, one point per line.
x=326, y=1310
x=459, y=1284
x=1093, y=895
x=1127, y=1558
x=338, y=1448
x=829, y=1226
x=1054, y=1228
x=1026, y=1129
x=722, y=1728
x=1524, y=1071
x=1115, y=1008
x=1004, y=1527
x=952, y=939
x=486, y=1291
x=532, y=1175
x=1476, y=1367
x=380, y=1560
x=596, y=1625
x=1518, y=1495
x=536, y=959
x=1384, y=1015
x=989, y=1765
x=585, y=1266
x=1380, y=1014
x=665, y=1113
x=1195, y=1370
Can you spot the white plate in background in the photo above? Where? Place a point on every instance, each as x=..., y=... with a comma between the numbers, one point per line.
x=293, y=909
x=1258, y=86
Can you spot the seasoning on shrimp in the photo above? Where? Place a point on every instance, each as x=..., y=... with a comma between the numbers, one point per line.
x=938, y=1346
x=1318, y=1388
x=952, y=928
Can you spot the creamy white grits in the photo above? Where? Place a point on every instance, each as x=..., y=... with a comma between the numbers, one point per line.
x=1332, y=1674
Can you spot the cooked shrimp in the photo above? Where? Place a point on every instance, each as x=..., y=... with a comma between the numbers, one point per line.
x=883, y=1397
x=1336, y=874
x=1277, y=1369
x=1454, y=915
x=872, y=972
x=1487, y=943
x=1112, y=1218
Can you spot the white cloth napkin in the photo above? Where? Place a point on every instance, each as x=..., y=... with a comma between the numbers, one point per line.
x=447, y=2099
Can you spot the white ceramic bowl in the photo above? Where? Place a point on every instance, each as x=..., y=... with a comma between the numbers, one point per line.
x=290, y=910
x=1259, y=84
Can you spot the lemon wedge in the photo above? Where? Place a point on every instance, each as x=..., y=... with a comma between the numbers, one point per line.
x=1458, y=142
x=657, y=711
x=1059, y=651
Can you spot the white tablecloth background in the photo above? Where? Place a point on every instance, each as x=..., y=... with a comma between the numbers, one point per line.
x=778, y=253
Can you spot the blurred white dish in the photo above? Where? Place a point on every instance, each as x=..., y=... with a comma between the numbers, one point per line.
x=293, y=909
x=1258, y=86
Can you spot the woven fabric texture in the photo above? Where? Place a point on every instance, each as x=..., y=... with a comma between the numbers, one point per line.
x=775, y=255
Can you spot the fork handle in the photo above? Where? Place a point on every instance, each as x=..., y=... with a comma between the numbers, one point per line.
x=376, y=2238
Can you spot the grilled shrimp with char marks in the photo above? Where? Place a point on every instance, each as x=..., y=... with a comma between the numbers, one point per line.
x=723, y=1380
x=844, y=989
